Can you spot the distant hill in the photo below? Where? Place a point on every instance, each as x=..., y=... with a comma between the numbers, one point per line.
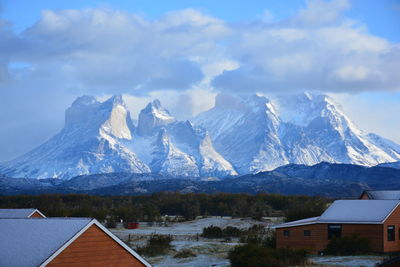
x=326, y=179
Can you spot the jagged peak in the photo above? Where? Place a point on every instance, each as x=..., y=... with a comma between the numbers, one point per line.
x=115, y=100
x=85, y=100
x=156, y=104
x=153, y=116
x=240, y=102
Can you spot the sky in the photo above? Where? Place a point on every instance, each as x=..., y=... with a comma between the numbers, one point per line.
x=186, y=52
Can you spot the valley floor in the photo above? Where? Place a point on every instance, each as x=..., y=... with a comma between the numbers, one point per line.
x=187, y=235
x=214, y=252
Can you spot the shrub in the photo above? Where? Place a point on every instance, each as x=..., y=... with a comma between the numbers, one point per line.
x=270, y=241
x=255, y=234
x=156, y=245
x=255, y=255
x=348, y=245
x=185, y=253
x=231, y=231
x=212, y=232
x=111, y=223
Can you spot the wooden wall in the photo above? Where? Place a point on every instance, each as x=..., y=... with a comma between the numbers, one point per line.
x=95, y=248
x=314, y=243
x=393, y=219
x=318, y=240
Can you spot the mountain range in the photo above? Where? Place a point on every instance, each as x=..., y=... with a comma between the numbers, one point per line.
x=240, y=135
x=325, y=179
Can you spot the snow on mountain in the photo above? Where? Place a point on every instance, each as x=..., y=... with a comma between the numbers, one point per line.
x=153, y=116
x=245, y=132
x=241, y=134
x=175, y=147
x=258, y=134
x=101, y=138
x=88, y=143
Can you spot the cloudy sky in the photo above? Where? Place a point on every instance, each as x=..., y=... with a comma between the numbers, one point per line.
x=184, y=54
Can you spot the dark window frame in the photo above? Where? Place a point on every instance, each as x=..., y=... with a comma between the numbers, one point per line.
x=334, y=230
x=286, y=233
x=391, y=233
x=307, y=233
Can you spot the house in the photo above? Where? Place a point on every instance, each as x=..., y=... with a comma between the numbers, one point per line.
x=377, y=220
x=62, y=242
x=380, y=194
x=21, y=213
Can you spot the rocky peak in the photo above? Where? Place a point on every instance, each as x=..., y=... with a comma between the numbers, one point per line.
x=153, y=116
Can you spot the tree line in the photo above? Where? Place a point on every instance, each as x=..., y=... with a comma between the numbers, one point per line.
x=152, y=207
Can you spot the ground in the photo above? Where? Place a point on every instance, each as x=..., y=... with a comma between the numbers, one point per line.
x=346, y=261
x=187, y=235
x=213, y=252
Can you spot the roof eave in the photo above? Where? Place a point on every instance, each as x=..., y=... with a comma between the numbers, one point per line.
x=328, y=222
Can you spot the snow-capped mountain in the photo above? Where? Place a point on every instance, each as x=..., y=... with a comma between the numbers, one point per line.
x=246, y=132
x=240, y=135
x=176, y=148
x=258, y=134
x=101, y=138
x=90, y=142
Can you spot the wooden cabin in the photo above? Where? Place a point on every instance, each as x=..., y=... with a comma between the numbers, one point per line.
x=380, y=194
x=62, y=242
x=21, y=213
x=377, y=220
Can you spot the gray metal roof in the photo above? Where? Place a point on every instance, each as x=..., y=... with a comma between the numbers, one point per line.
x=383, y=194
x=363, y=211
x=351, y=211
x=16, y=213
x=29, y=242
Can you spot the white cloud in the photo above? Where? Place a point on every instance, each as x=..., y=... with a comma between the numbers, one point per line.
x=316, y=49
x=105, y=50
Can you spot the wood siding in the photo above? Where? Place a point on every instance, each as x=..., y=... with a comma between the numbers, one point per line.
x=364, y=196
x=318, y=239
x=95, y=248
x=36, y=215
x=393, y=219
x=371, y=231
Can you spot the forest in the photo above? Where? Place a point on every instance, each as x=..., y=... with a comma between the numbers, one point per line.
x=151, y=207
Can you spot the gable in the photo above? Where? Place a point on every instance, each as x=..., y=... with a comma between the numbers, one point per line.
x=36, y=214
x=97, y=248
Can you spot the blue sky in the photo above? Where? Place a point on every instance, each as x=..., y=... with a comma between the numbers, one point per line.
x=185, y=52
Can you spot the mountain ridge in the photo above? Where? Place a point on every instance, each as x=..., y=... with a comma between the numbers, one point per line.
x=326, y=179
x=239, y=135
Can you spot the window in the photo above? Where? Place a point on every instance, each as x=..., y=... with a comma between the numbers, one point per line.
x=334, y=230
x=307, y=233
x=286, y=233
x=390, y=233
